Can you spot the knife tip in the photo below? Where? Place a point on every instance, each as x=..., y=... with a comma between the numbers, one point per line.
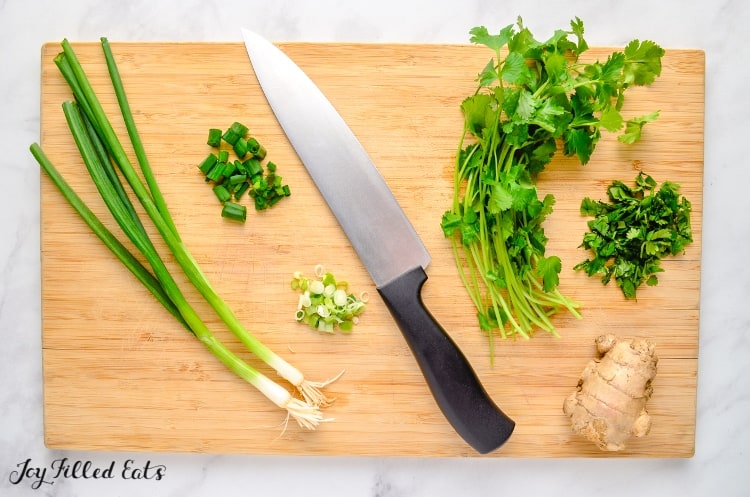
x=249, y=35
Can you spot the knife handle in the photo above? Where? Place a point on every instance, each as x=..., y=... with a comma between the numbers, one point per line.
x=452, y=381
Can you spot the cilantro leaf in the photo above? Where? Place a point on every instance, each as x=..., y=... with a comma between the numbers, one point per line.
x=479, y=113
x=514, y=69
x=634, y=127
x=642, y=62
x=526, y=105
x=556, y=66
x=611, y=70
x=450, y=223
x=579, y=142
x=590, y=207
x=480, y=35
x=489, y=74
x=611, y=119
x=523, y=41
x=549, y=269
x=576, y=26
x=469, y=227
x=523, y=196
x=501, y=199
x=542, y=155
x=549, y=115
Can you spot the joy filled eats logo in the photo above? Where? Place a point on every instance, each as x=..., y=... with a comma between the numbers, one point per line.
x=28, y=473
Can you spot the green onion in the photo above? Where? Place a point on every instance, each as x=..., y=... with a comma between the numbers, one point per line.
x=239, y=129
x=255, y=148
x=234, y=211
x=223, y=156
x=243, y=187
x=238, y=176
x=240, y=148
x=106, y=236
x=174, y=298
x=230, y=137
x=325, y=304
x=208, y=163
x=161, y=283
x=135, y=138
x=253, y=167
x=214, y=137
x=237, y=179
x=222, y=193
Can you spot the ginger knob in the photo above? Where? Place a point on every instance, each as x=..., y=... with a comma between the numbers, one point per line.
x=609, y=403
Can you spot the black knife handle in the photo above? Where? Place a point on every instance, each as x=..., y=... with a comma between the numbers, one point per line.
x=452, y=381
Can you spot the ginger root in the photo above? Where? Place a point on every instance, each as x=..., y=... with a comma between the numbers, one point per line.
x=609, y=404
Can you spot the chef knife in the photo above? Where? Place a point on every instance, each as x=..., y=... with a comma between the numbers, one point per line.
x=382, y=236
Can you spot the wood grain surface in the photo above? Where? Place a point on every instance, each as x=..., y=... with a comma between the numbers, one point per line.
x=120, y=374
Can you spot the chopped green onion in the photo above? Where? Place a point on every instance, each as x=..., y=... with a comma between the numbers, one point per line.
x=253, y=167
x=222, y=193
x=240, y=148
x=239, y=129
x=214, y=137
x=255, y=148
x=260, y=202
x=243, y=187
x=234, y=211
x=230, y=137
x=237, y=179
x=208, y=163
x=324, y=304
x=229, y=169
x=240, y=176
x=216, y=173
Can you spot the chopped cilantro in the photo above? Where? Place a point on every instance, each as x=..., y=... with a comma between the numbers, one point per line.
x=631, y=233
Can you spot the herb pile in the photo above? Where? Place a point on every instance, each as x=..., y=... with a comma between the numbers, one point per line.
x=232, y=178
x=326, y=304
x=631, y=233
x=532, y=97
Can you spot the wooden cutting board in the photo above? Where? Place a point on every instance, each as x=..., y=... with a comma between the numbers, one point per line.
x=120, y=374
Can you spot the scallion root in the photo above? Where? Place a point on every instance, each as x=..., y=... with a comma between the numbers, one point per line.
x=312, y=393
x=307, y=416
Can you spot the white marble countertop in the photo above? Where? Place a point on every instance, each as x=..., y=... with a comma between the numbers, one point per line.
x=722, y=457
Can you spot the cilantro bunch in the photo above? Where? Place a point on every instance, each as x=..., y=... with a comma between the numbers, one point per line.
x=631, y=233
x=533, y=98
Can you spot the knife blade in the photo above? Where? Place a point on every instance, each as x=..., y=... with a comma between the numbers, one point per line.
x=382, y=236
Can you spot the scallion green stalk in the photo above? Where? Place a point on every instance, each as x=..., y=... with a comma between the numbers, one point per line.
x=135, y=138
x=106, y=236
x=165, y=288
x=155, y=206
